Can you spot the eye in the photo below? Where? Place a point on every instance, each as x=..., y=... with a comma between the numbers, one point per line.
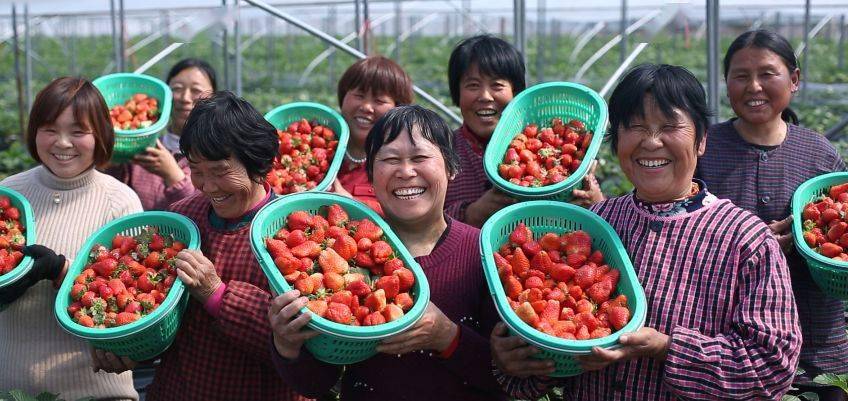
x=391, y=160
x=79, y=133
x=420, y=158
x=472, y=85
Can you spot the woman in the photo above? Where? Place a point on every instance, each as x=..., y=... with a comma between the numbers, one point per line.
x=721, y=325
x=68, y=134
x=757, y=160
x=221, y=349
x=409, y=152
x=160, y=176
x=367, y=90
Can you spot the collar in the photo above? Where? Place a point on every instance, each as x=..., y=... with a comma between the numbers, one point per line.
x=698, y=198
x=55, y=182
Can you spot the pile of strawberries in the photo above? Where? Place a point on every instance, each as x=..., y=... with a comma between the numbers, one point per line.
x=542, y=156
x=121, y=285
x=306, y=151
x=141, y=111
x=11, y=236
x=560, y=286
x=826, y=223
x=349, y=272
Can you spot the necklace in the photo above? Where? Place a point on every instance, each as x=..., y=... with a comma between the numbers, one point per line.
x=353, y=159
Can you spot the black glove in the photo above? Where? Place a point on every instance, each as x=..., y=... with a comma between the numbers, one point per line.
x=46, y=265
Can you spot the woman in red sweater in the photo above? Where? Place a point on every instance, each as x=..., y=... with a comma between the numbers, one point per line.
x=444, y=356
x=367, y=90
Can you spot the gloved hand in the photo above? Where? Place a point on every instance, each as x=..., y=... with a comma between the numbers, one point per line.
x=46, y=265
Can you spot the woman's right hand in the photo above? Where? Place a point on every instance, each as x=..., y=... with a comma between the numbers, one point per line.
x=514, y=357
x=289, y=328
x=47, y=264
x=477, y=212
x=109, y=362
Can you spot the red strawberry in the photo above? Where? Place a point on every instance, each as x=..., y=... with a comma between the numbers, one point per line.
x=618, y=317
x=392, y=312
x=550, y=242
x=287, y=264
x=339, y=313
x=363, y=259
x=330, y=261
x=391, y=284
x=360, y=313
x=295, y=238
x=404, y=300
x=405, y=277
x=333, y=281
x=376, y=301
x=531, y=248
x=373, y=319
x=77, y=291
x=512, y=287
x=125, y=318
x=391, y=265
x=364, y=244
x=380, y=251
x=600, y=291
x=317, y=306
x=368, y=229
x=526, y=313
x=578, y=242
x=359, y=288
x=299, y=220
x=541, y=262
x=551, y=311
x=585, y=276
x=520, y=263
x=308, y=249
x=597, y=257
x=562, y=272
x=86, y=321
x=830, y=249
x=305, y=285
x=336, y=216
x=521, y=234
x=345, y=246
x=336, y=232
x=533, y=282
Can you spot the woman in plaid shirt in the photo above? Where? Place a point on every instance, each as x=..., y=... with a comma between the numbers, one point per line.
x=757, y=160
x=721, y=320
x=221, y=349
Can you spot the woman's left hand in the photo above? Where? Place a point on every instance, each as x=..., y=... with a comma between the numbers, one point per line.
x=339, y=189
x=591, y=192
x=197, y=273
x=645, y=342
x=782, y=231
x=434, y=331
x=159, y=160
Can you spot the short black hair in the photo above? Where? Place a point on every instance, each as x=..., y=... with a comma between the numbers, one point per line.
x=225, y=125
x=493, y=56
x=672, y=87
x=201, y=65
x=773, y=42
x=407, y=118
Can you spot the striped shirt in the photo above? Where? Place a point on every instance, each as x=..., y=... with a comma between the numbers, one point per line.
x=717, y=283
x=763, y=181
x=471, y=182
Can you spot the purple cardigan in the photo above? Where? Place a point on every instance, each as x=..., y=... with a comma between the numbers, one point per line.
x=458, y=288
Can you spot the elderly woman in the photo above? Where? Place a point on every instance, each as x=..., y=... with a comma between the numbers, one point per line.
x=757, y=160
x=721, y=320
x=409, y=162
x=221, y=349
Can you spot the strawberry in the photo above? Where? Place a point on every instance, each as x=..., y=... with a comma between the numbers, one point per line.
x=336, y=216
x=404, y=300
x=618, y=317
x=364, y=244
x=380, y=252
x=333, y=281
x=550, y=242
x=126, y=318
x=308, y=249
x=520, y=263
x=585, y=276
x=295, y=238
x=512, y=287
x=299, y=220
x=542, y=262
x=86, y=321
x=77, y=291
x=405, y=277
x=358, y=288
x=363, y=259
x=376, y=301
x=526, y=313
x=305, y=285
x=342, y=297
x=317, y=306
x=391, y=285
x=336, y=232
x=330, y=261
x=345, y=246
x=339, y=313
x=360, y=313
x=551, y=311
x=391, y=266
x=600, y=291
x=287, y=264
x=534, y=282
x=520, y=235
x=392, y=312
x=368, y=229
x=562, y=272
x=830, y=249
x=373, y=319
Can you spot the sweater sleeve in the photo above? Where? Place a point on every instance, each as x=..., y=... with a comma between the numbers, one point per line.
x=756, y=356
x=179, y=190
x=124, y=200
x=471, y=360
x=308, y=376
x=243, y=319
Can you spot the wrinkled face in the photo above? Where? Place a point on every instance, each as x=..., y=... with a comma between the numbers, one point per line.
x=658, y=153
x=482, y=99
x=759, y=86
x=361, y=110
x=187, y=87
x=410, y=181
x=226, y=184
x=65, y=147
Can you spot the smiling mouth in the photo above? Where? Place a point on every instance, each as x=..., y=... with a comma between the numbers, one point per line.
x=363, y=120
x=409, y=193
x=653, y=163
x=486, y=113
x=62, y=157
x=219, y=199
x=755, y=102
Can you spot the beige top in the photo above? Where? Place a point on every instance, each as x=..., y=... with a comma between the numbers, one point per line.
x=36, y=354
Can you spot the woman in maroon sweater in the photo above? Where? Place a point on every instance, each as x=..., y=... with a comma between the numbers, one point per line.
x=445, y=355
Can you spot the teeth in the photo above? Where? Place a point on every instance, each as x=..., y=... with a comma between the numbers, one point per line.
x=486, y=112
x=408, y=193
x=219, y=199
x=653, y=163
x=63, y=157
x=363, y=120
x=755, y=103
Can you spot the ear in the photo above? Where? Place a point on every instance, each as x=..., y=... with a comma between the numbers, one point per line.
x=795, y=80
x=702, y=147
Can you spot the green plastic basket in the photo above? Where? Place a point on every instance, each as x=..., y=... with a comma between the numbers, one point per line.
x=152, y=334
x=117, y=89
x=831, y=275
x=23, y=206
x=338, y=344
x=286, y=114
x=539, y=104
x=559, y=217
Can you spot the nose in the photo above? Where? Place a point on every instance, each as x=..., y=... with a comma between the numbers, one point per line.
x=63, y=140
x=406, y=170
x=651, y=142
x=366, y=107
x=485, y=95
x=754, y=86
x=185, y=96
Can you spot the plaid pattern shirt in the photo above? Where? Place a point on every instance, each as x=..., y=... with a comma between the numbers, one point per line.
x=471, y=182
x=224, y=358
x=151, y=189
x=716, y=282
x=763, y=182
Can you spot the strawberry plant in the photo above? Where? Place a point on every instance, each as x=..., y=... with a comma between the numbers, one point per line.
x=540, y=156
x=126, y=282
x=559, y=285
x=11, y=236
x=306, y=151
x=345, y=267
x=141, y=111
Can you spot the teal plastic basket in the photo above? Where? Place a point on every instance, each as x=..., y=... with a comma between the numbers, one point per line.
x=154, y=333
x=831, y=275
x=559, y=217
x=539, y=104
x=116, y=90
x=23, y=206
x=338, y=344
x=286, y=114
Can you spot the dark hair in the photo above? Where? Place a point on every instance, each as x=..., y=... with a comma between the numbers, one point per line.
x=408, y=118
x=672, y=87
x=773, y=42
x=201, y=65
x=379, y=75
x=493, y=56
x=223, y=125
x=89, y=110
